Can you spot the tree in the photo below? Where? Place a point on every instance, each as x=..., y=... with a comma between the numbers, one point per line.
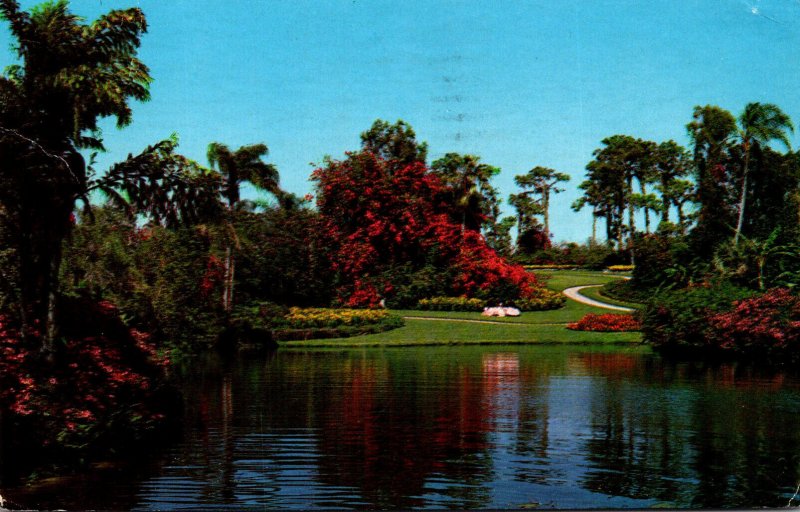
x=394, y=142
x=166, y=187
x=671, y=163
x=542, y=181
x=236, y=167
x=714, y=157
x=467, y=189
x=601, y=207
x=527, y=225
x=498, y=237
x=71, y=75
x=759, y=124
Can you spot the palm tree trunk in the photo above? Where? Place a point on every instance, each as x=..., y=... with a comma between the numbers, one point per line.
x=227, y=290
x=665, y=202
x=546, y=204
x=48, y=345
x=631, y=212
x=743, y=198
x=594, y=229
x=646, y=208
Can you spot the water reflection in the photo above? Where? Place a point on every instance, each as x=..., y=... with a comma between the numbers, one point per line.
x=470, y=427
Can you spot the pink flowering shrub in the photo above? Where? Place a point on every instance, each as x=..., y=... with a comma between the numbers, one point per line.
x=608, y=322
x=101, y=389
x=766, y=323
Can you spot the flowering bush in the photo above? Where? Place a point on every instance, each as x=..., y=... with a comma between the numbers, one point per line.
x=609, y=322
x=621, y=268
x=541, y=299
x=378, y=216
x=763, y=324
x=451, y=304
x=678, y=319
x=105, y=386
x=300, y=318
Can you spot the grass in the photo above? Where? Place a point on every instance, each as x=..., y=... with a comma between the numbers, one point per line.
x=597, y=294
x=443, y=332
x=539, y=327
x=562, y=279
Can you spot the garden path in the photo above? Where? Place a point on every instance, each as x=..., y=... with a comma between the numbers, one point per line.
x=574, y=294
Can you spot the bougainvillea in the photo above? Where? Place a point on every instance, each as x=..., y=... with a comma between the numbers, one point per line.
x=379, y=215
x=608, y=322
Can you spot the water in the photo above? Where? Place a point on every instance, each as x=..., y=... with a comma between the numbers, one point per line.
x=462, y=427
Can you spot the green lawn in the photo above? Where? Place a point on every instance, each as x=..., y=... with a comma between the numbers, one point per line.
x=433, y=327
x=560, y=279
x=594, y=293
x=442, y=332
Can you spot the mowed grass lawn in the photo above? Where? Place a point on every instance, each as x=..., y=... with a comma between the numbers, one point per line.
x=442, y=327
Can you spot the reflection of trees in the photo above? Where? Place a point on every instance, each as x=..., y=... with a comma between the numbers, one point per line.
x=399, y=431
x=710, y=438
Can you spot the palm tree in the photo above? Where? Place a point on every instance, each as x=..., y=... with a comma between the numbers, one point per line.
x=71, y=74
x=469, y=192
x=711, y=130
x=759, y=124
x=236, y=167
x=672, y=162
x=594, y=196
x=542, y=181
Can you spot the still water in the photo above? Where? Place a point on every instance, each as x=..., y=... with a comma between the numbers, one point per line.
x=463, y=427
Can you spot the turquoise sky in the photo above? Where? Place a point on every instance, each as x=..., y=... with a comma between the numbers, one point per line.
x=518, y=83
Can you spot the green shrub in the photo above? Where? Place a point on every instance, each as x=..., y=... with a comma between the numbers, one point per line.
x=591, y=256
x=623, y=289
x=451, y=304
x=678, y=319
x=543, y=300
x=411, y=285
x=386, y=323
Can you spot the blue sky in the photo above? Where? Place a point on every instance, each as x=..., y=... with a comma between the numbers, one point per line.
x=518, y=83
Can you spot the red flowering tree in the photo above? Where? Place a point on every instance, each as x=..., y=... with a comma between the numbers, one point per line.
x=381, y=221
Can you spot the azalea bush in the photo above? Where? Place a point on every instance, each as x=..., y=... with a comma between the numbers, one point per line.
x=451, y=304
x=609, y=322
x=765, y=324
x=104, y=388
x=679, y=319
x=726, y=320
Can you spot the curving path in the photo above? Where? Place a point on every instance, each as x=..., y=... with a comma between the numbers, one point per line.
x=574, y=294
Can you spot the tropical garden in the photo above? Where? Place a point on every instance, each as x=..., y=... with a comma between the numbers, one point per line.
x=109, y=275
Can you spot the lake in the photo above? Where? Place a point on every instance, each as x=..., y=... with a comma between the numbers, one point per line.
x=461, y=427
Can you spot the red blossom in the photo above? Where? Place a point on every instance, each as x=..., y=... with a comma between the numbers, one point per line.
x=376, y=213
x=608, y=322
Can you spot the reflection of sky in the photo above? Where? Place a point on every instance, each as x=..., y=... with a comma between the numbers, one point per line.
x=569, y=418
